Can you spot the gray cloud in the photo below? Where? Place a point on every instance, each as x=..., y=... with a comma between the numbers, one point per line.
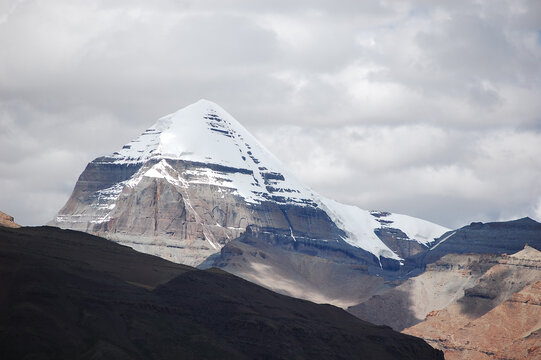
x=452, y=177
x=421, y=108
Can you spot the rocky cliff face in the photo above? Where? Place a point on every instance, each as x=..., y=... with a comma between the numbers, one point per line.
x=498, y=318
x=168, y=208
x=511, y=330
x=8, y=221
x=196, y=179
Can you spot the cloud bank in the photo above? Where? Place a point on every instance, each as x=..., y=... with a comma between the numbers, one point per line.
x=426, y=109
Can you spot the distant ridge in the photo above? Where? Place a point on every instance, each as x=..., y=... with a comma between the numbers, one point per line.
x=485, y=238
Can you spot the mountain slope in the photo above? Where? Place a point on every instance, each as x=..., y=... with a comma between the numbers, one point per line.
x=197, y=178
x=298, y=270
x=410, y=302
x=8, y=221
x=511, y=330
x=452, y=267
x=67, y=295
x=500, y=310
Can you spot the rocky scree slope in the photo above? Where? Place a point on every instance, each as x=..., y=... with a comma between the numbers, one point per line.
x=434, y=278
x=410, y=302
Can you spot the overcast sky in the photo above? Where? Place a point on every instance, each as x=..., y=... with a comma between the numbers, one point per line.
x=423, y=109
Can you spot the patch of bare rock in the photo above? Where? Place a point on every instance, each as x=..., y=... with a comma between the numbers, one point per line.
x=498, y=318
x=8, y=221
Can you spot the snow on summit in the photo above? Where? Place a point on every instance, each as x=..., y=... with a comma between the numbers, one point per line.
x=202, y=132
x=205, y=133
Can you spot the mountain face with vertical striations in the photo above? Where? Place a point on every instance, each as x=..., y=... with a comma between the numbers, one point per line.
x=196, y=179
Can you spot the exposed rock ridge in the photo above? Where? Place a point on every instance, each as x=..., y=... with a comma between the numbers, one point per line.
x=509, y=331
x=8, y=221
x=178, y=214
x=483, y=238
x=499, y=317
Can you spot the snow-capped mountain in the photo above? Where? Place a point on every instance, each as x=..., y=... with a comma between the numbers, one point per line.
x=197, y=178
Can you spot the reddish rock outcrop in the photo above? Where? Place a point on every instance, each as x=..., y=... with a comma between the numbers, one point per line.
x=493, y=320
x=8, y=221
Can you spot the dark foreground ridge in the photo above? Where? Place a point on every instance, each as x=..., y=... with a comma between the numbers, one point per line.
x=70, y=295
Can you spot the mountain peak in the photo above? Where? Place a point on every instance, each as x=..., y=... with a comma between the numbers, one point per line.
x=198, y=110
x=198, y=174
x=527, y=220
x=201, y=132
x=206, y=103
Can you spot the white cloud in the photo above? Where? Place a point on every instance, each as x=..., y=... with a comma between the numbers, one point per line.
x=452, y=177
x=423, y=108
x=537, y=210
